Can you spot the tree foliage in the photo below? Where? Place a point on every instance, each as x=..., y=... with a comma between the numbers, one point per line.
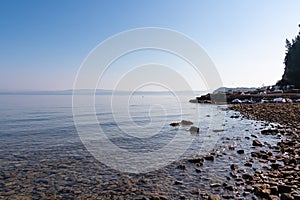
x=291, y=74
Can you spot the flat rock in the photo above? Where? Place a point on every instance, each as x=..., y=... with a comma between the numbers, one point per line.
x=241, y=151
x=209, y=157
x=194, y=129
x=175, y=124
x=234, y=166
x=186, y=122
x=256, y=143
x=214, y=197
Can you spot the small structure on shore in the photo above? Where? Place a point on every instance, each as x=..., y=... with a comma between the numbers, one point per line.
x=269, y=94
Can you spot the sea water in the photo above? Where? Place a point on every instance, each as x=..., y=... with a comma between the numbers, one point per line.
x=40, y=140
x=137, y=123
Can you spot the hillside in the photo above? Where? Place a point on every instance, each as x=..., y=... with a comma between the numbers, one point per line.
x=292, y=63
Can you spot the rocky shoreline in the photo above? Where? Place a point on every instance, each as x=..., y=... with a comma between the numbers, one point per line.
x=246, y=164
x=228, y=98
x=281, y=175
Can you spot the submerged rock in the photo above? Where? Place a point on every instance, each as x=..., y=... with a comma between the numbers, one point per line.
x=175, y=124
x=194, y=129
x=196, y=160
x=209, y=157
x=241, y=151
x=234, y=166
x=186, y=122
x=178, y=182
x=256, y=143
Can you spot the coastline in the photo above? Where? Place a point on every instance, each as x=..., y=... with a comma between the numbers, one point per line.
x=281, y=175
x=227, y=98
x=234, y=169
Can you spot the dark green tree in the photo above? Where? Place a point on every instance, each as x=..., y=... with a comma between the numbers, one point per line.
x=291, y=74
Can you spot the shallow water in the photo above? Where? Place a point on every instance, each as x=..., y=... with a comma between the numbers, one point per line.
x=40, y=147
x=36, y=122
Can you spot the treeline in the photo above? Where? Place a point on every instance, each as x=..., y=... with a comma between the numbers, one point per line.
x=291, y=74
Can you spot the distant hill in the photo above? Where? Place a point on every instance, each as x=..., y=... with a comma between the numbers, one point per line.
x=97, y=92
x=54, y=92
x=291, y=75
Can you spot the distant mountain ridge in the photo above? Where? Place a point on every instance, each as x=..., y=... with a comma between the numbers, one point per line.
x=92, y=92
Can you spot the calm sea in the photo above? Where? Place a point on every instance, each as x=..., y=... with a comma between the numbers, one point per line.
x=137, y=123
x=39, y=140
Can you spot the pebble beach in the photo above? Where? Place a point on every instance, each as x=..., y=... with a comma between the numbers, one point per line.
x=281, y=174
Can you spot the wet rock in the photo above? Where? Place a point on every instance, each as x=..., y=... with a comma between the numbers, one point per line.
x=196, y=191
x=209, y=157
x=229, y=187
x=284, y=188
x=275, y=165
x=247, y=176
x=286, y=196
x=256, y=143
x=175, y=124
x=296, y=196
x=246, y=193
x=227, y=196
x=231, y=147
x=194, y=129
x=198, y=170
x=215, y=185
x=178, y=182
x=255, y=154
x=214, y=197
x=155, y=198
x=274, y=190
x=186, y=122
x=269, y=131
x=273, y=197
x=241, y=151
x=263, y=161
x=262, y=190
x=249, y=188
x=182, y=167
x=218, y=130
x=234, y=166
x=196, y=160
x=233, y=174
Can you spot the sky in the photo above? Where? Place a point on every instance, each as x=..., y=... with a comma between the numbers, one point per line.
x=44, y=43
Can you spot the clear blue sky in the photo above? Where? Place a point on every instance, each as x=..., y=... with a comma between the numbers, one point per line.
x=43, y=43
